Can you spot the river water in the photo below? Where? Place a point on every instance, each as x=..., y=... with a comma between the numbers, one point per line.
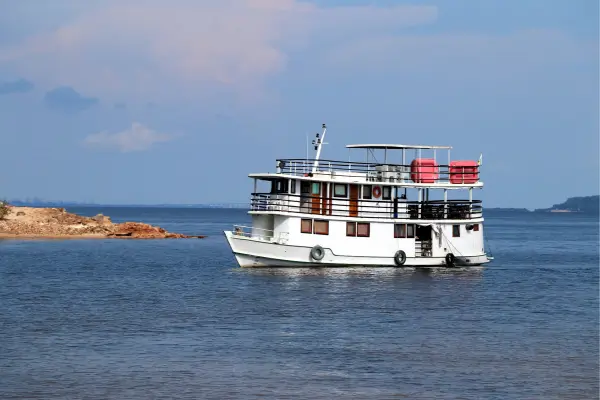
x=162, y=319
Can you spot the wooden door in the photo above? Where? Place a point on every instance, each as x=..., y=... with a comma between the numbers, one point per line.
x=315, y=191
x=353, y=201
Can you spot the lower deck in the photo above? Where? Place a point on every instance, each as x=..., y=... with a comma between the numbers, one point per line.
x=274, y=239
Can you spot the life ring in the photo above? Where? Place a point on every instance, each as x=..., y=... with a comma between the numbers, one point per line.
x=450, y=259
x=400, y=258
x=317, y=253
x=377, y=192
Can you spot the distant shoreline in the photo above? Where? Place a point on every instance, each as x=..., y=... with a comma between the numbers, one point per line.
x=90, y=205
x=579, y=205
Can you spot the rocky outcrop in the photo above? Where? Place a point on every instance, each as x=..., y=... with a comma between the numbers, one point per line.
x=57, y=222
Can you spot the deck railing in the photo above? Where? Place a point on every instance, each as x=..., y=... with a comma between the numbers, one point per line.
x=268, y=235
x=386, y=209
x=378, y=172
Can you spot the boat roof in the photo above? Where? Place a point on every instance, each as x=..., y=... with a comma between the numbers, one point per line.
x=326, y=177
x=393, y=146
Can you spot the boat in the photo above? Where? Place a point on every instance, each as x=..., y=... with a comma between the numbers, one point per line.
x=381, y=211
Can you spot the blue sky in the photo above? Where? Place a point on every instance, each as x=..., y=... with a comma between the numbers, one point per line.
x=176, y=102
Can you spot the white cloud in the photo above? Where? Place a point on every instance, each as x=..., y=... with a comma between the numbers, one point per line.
x=125, y=48
x=136, y=138
x=471, y=52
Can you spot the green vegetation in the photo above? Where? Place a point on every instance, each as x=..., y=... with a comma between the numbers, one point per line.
x=4, y=209
x=585, y=204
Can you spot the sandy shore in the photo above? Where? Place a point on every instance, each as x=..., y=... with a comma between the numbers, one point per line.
x=57, y=223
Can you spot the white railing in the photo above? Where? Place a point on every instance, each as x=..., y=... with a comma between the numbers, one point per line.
x=266, y=235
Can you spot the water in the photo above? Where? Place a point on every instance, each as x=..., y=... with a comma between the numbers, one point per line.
x=120, y=319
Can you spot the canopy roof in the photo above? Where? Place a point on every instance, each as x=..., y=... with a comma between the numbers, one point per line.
x=394, y=146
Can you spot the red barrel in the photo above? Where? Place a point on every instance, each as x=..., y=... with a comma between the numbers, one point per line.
x=424, y=170
x=465, y=171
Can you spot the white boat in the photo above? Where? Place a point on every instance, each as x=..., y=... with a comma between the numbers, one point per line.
x=379, y=212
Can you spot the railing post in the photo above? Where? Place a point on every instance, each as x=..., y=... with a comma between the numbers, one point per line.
x=445, y=203
x=470, y=202
x=419, y=204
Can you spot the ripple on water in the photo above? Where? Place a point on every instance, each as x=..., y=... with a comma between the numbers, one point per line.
x=164, y=319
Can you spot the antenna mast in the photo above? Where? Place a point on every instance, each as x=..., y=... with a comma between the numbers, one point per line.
x=318, y=142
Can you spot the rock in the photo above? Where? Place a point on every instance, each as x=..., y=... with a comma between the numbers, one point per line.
x=57, y=222
x=102, y=219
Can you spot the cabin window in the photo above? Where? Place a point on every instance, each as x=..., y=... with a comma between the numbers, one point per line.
x=340, y=190
x=475, y=227
x=363, y=229
x=350, y=228
x=367, y=192
x=316, y=188
x=404, y=231
x=279, y=186
x=386, y=193
x=321, y=227
x=304, y=187
x=400, y=230
x=455, y=230
x=293, y=186
x=306, y=226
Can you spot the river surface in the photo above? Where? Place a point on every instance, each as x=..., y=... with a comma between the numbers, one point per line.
x=177, y=319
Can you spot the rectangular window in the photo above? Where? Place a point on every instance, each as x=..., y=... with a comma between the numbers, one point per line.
x=404, y=231
x=399, y=230
x=279, y=186
x=321, y=227
x=386, y=193
x=306, y=226
x=304, y=187
x=316, y=188
x=293, y=186
x=350, y=228
x=363, y=229
x=367, y=192
x=410, y=231
x=455, y=230
x=340, y=190
x=476, y=227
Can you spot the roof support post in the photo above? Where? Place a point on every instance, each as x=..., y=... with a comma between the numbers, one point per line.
x=420, y=198
x=445, y=203
x=253, y=197
x=470, y=202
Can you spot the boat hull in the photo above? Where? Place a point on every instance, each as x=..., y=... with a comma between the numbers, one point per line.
x=250, y=252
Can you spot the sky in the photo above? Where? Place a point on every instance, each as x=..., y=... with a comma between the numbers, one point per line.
x=146, y=102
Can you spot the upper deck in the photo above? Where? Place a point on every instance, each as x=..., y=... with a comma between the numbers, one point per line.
x=389, y=167
x=386, y=174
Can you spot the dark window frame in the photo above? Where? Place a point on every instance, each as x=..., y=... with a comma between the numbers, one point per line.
x=345, y=195
x=353, y=225
x=368, y=224
x=455, y=230
x=292, y=186
x=305, y=187
x=414, y=231
x=370, y=192
x=409, y=231
x=389, y=194
x=399, y=235
x=315, y=185
x=326, y=224
x=279, y=186
x=302, y=225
